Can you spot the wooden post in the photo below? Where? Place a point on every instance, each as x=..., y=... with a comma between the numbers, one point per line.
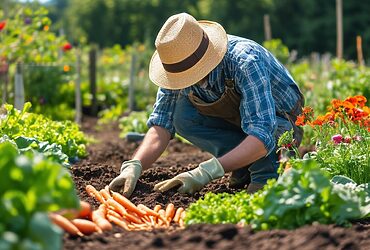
x=339, y=14
x=18, y=87
x=267, y=27
x=4, y=77
x=360, y=56
x=131, y=88
x=78, y=105
x=92, y=78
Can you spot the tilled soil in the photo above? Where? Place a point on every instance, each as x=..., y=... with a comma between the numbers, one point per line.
x=103, y=163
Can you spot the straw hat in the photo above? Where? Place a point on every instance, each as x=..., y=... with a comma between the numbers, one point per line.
x=187, y=51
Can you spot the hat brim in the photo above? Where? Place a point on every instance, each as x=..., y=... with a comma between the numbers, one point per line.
x=215, y=52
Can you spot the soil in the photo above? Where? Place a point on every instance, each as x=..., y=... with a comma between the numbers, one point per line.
x=103, y=164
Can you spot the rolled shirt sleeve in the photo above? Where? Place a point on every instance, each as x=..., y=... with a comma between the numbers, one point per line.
x=163, y=110
x=257, y=106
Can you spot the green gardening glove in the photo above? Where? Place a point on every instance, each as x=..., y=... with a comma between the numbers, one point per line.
x=193, y=180
x=126, y=181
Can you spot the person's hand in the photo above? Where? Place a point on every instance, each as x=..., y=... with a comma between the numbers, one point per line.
x=126, y=181
x=193, y=180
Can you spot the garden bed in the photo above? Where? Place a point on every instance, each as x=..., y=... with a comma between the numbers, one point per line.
x=103, y=163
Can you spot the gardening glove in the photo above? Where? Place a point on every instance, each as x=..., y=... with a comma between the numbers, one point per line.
x=126, y=181
x=193, y=180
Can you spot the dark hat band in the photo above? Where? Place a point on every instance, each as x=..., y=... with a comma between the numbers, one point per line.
x=191, y=60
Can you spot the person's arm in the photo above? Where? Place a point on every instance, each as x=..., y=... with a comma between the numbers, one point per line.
x=153, y=145
x=248, y=151
x=160, y=132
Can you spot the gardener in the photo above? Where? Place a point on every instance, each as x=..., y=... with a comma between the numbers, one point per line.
x=227, y=95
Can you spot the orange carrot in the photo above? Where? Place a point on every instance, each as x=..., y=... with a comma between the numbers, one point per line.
x=106, y=195
x=98, y=217
x=170, y=212
x=127, y=204
x=162, y=214
x=65, y=224
x=115, y=214
x=86, y=227
x=133, y=217
x=91, y=191
x=181, y=220
x=178, y=213
x=147, y=210
x=157, y=208
x=85, y=210
x=122, y=223
x=117, y=206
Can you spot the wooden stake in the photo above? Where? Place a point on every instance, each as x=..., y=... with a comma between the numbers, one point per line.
x=360, y=56
x=267, y=27
x=339, y=13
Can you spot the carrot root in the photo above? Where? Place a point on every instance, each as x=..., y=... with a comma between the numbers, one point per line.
x=65, y=224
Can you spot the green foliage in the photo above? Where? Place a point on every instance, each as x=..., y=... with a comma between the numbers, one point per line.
x=300, y=196
x=134, y=122
x=15, y=123
x=52, y=151
x=30, y=187
x=26, y=37
x=278, y=49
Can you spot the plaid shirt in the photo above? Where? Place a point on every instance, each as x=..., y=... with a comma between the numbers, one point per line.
x=264, y=84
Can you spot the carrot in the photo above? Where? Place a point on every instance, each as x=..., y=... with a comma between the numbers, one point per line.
x=65, y=224
x=157, y=208
x=181, y=220
x=162, y=214
x=85, y=210
x=178, y=213
x=127, y=203
x=147, y=210
x=92, y=192
x=133, y=218
x=106, y=195
x=117, y=206
x=169, y=212
x=98, y=217
x=122, y=223
x=115, y=214
x=85, y=226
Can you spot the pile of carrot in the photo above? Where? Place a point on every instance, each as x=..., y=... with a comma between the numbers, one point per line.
x=117, y=209
x=122, y=212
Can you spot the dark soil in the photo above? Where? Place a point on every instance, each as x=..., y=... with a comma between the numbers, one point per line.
x=103, y=163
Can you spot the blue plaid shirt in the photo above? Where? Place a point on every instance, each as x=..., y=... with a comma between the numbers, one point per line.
x=264, y=84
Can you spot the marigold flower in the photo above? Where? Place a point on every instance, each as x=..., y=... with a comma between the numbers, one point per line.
x=2, y=25
x=300, y=120
x=66, y=68
x=357, y=100
x=46, y=28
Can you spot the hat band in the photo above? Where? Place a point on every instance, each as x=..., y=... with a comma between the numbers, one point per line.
x=191, y=60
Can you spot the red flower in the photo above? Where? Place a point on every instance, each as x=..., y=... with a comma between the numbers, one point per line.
x=337, y=138
x=67, y=47
x=2, y=25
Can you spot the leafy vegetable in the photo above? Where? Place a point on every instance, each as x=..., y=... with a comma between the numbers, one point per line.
x=299, y=197
x=15, y=123
x=30, y=187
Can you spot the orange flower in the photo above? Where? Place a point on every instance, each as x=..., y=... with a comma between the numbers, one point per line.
x=300, y=120
x=320, y=120
x=357, y=100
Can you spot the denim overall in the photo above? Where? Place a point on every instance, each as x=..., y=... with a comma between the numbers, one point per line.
x=215, y=128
